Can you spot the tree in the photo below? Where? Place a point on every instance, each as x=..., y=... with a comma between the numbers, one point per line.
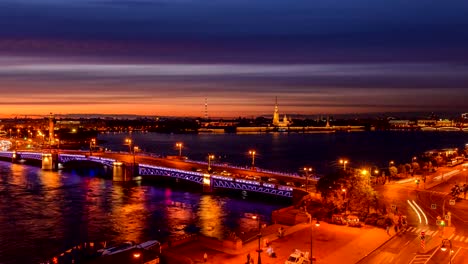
x=393, y=171
x=358, y=194
x=415, y=166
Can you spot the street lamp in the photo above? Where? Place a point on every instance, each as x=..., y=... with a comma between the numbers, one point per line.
x=179, y=145
x=345, y=196
x=210, y=157
x=317, y=224
x=129, y=142
x=307, y=170
x=92, y=143
x=364, y=173
x=444, y=248
x=464, y=172
x=259, y=250
x=344, y=162
x=135, y=149
x=252, y=153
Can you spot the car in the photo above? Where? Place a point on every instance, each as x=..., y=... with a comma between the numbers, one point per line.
x=353, y=221
x=272, y=180
x=298, y=257
x=338, y=219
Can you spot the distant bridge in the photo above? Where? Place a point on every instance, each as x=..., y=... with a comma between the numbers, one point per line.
x=127, y=167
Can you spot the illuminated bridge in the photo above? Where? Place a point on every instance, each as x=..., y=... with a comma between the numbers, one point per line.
x=127, y=167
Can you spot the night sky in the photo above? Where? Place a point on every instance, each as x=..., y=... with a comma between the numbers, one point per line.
x=164, y=57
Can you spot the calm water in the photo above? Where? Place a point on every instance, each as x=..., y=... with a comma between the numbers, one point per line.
x=290, y=152
x=43, y=213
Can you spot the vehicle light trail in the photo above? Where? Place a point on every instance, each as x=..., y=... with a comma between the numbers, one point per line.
x=422, y=212
x=414, y=208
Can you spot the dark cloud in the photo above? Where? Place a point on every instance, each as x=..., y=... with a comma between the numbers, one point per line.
x=334, y=54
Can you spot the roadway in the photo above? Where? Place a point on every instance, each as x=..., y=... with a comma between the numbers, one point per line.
x=406, y=247
x=194, y=166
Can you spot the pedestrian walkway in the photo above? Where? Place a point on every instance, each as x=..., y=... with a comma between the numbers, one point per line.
x=420, y=259
x=448, y=233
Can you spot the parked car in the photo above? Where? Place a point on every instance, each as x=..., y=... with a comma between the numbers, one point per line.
x=338, y=219
x=353, y=221
x=298, y=257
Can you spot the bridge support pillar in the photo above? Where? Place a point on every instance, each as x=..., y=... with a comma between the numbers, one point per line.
x=50, y=161
x=14, y=157
x=207, y=187
x=47, y=161
x=122, y=171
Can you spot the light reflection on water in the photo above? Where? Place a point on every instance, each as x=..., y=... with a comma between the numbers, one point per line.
x=43, y=213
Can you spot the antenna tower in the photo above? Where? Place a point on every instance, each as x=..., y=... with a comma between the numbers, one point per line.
x=206, y=108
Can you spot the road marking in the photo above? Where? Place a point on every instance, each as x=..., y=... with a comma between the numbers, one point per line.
x=451, y=236
x=413, y=229
x=420, y=259
x=466, y=241
x=456, y=238
x=455, y=254
x=429, y=233
x=435, y=233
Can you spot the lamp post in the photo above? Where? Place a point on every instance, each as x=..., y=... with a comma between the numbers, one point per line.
x=259, y=250
x=252, y=153
x=345, y=196
x=444, y=248
x=376, y=174
x=210, y=157
x=364, y=173
x=129, y=142
x=464, y=172
x=179, y=145
x=92, y=142
x=135, y=149
x=344, y=162
x=317, y=224
x=307, y=170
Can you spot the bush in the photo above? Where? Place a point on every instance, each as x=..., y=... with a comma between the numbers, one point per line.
x=380, y=222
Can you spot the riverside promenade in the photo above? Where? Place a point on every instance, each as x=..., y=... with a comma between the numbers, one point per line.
x=331, y=244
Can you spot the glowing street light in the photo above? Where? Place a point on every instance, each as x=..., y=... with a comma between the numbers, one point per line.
x=129, y=142
x=317, y=224
x=345, y=196
x=307, y=170
x=444, y=248
x=179, y=145
x=259, y=250
x=364, y=173
x=210, y=157
x=92, y=143
x=344, y=162
x=252, y=153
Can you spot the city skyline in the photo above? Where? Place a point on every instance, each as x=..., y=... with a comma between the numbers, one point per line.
x=163, y=58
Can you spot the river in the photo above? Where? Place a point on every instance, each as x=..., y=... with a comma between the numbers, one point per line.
x=43, y=213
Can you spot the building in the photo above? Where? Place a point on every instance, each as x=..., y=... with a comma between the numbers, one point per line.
x=276, y=118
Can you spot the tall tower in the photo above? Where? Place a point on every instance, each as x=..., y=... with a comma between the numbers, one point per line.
x=276, y=113
x=206, y=108
x=51, y=129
